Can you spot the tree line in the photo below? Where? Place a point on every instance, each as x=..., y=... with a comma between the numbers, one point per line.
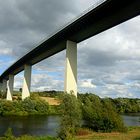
x=122, y=105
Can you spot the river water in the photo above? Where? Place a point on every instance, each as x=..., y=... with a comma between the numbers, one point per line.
x=131, y=119
x=31, y=125
x=46, y=125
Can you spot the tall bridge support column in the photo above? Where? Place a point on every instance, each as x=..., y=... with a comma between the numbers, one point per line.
x=26, y=82
x=71, y=68
x=10, y=86
x=4, y=86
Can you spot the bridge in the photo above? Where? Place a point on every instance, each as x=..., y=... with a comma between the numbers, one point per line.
x=107, y=14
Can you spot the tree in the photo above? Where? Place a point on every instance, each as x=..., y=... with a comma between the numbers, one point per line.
x=101, y=115
x=71, y=117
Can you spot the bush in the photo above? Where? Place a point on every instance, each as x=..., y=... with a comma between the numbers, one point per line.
x=29, y=106
x=42, y=107
x=112, y=120
x=138, y=138
x=100, y=115
x=6, y=107
x=54, y=110
x=71, y=117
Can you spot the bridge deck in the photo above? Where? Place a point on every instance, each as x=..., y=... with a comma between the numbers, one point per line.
x=108, y=14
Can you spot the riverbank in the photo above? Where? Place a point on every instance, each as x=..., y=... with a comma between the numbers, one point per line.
x=132, y=134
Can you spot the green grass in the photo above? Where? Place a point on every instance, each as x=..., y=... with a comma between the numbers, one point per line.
x=132, y=134
x=9, y=136
x=25, y=137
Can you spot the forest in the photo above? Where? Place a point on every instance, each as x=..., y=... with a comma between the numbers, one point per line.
x=35, y=105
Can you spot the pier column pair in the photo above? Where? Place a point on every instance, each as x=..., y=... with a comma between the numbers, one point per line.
x=10, y=84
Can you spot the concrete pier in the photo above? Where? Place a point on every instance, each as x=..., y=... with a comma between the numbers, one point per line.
x=71, y=68
x=10, y=88
x=26, y=81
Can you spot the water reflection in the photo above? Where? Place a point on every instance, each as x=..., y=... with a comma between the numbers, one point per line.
x=33, y=125
x=45, y=125
x=131, y=119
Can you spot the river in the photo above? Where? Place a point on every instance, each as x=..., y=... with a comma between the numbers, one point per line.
x=131, y=119
x=46, y=125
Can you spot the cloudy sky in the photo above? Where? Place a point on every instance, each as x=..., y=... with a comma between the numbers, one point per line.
x=108, y=63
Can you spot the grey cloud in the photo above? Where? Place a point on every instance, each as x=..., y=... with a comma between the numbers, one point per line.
x=22, y=21
x=134, y=76
x=45, y=15
x=46, y=82
x=100, y=58
x=25, y=23
x=54, y=63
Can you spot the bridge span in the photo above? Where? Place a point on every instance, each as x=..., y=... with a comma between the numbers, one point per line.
x=107, y=14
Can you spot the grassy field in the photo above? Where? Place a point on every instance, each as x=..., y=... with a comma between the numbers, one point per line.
x=51, y=101
x=132, y=134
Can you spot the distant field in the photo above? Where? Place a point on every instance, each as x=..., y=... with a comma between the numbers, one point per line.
x=133, y=134
x=51, y=101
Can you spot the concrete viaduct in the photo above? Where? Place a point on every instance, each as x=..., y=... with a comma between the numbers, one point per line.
x=105, y=15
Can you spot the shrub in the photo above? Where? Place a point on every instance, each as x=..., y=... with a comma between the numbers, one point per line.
x=71, y=117
x=9, y=135
x=6, y=107
x=42, y=107
x=138, y=138
x=29, y=105
x=101, y=115
x=112, y=120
